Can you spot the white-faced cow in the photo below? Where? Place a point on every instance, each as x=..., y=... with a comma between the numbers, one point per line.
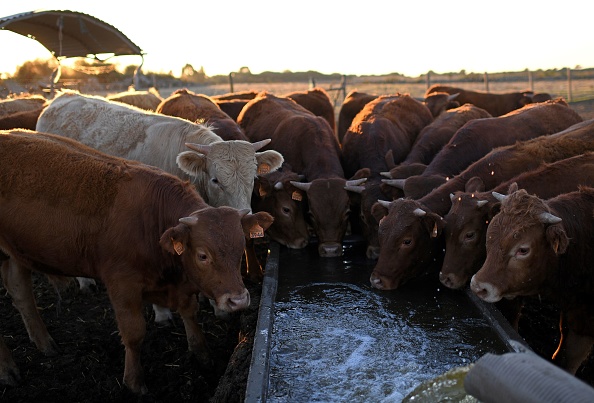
x=495, y=104
x=472, y=210
x=479, y=136
x=200, y=108
x=544, y=247
x=412, y=228
x=146, y=234
x=310, y=147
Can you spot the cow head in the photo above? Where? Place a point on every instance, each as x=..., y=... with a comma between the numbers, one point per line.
x=439, y=102
x=274, y=193
x=210, y=244
x=408, y=235
x=465, y=234
x=225, y=170
x=329, y=209
x=523, y=244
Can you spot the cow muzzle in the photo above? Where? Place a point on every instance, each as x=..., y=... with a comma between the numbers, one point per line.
x=330, y=249
x=233, y=302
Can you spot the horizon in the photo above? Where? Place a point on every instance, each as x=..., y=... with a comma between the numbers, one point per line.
x=409, y=38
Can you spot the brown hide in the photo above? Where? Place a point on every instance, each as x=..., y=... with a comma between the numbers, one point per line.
x=147, y=100
x=316, y=101
x=231, y=107
x=439, y=102
x=310, y=147
x=466, y=222
x=353, y=104
x=388, y=123
x=496, y=167
x=250, y=94
x=439, y=132
x=20, y=120
x=112, y=213
x=479, y=136
x=531, y=252
x=274, y=194
x=495, y=104
x=21, y=103
x=200, y=108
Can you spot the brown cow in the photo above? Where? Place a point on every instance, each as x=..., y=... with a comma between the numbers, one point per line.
x=439, y=102
x=310, y=147
x=199, y=108
x=544, y=248
x=466, y=222
x=495, y=104
x=479, y=136
x=146, y=234
x=147, y=100
x=317, y=101
x=19, y=103
x=21, y=120
x=389, y=122
x=275, y=194
x=250, y=94
x=415, y=221
x=353, y=103
x=231, y=107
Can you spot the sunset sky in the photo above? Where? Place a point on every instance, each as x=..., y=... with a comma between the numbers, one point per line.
x=372, y=37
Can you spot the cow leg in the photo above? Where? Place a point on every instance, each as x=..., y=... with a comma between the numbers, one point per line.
x=127, y=306
x=9, y=373
x=196, y=339
x=17, y=281
x=573, y=351
x=254, y=269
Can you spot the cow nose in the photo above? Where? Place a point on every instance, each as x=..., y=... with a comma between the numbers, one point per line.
x=298, y=243
x=373, y=252
x=446, y=280
x=330, y=249
x=478, y=289
x=376, y=282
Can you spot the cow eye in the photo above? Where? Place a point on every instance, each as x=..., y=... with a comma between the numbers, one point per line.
x=407, y=241
x=215, y=181
x=286, y=210
x=469, y=236
x=202, y=257
x=522, y=251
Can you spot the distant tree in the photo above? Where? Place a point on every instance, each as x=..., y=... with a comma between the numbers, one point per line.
x=35, y=70
x=190, y=75
x=245, y=70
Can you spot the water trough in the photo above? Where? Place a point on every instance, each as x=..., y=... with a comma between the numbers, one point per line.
x=324, y=334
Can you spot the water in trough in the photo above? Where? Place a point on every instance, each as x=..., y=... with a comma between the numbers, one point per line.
x=335, y=338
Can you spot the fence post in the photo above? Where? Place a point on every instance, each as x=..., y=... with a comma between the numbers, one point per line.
x=486, y=81
x=569, y=85
x=312, y=83
x=343, y=86
x=530, y=82
x=428, y=79
x=230, y=82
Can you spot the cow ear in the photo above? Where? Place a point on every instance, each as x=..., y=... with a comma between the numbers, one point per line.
x=262, y=187
x=557, y=238
x=512, y=188
x=434, y=224
x=191, y=162
x=254, y=225
x=378, y=211
x=362, y=173
x=174, y=239
x=269, y=161
x=474, y=184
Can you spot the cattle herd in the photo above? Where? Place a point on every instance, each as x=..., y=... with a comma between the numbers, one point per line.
x=161, y=199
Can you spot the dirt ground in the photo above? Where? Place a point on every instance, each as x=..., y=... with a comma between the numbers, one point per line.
x=90, y=367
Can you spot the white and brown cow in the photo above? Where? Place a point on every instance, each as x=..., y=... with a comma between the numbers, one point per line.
x=146, y=234
x=223, y=171
x=544, y=247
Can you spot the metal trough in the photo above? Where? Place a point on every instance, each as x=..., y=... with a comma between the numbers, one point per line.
x=342, y=275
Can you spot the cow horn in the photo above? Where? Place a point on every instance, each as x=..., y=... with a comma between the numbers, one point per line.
x=384, y=203
x=453, y=96
x=452, y=197
x=188, y=220
x=481, y=203
x=548, y=218
x=278, y=185
x=397, y=183
x=356, y=189
x=499, y=196
x=419, y=212
x=355, y=182
x=259, y=144
x=301, y=186
x=386, y=174
x=201, y=148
